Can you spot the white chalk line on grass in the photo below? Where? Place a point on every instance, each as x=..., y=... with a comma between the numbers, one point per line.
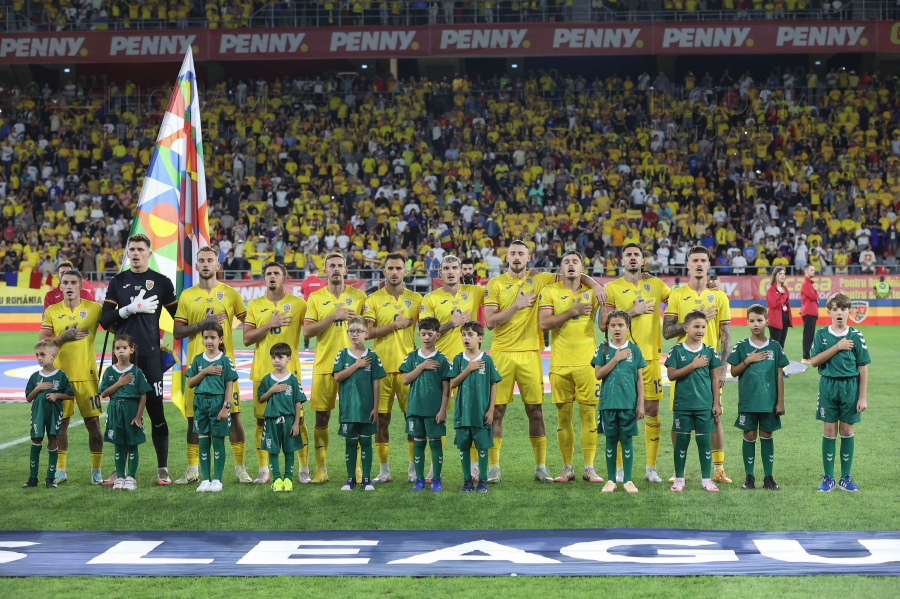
x=24, y=439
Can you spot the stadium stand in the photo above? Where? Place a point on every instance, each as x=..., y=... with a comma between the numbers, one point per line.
x=780, y=171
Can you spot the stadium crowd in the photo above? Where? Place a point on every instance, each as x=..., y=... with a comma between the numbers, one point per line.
x=785, y=170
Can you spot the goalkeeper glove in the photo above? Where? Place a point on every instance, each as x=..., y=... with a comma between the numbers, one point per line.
x=140, y=305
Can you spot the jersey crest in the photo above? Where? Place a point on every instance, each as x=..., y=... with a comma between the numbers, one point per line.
x=529, y=280
x=710, y=298
x=82, y=314
x=422, y=309
x=407, y=303
x=586, y=296
x=348, y=301
x=286, y=308
x=464, y=296
x=647, y=287
x=149, y=283
x=220, y=295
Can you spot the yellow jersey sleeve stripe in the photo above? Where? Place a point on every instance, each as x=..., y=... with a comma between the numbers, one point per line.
x=491, y=304
x=49, y=328
x=308, y=319
x=252, y=324
x=725, y=321
x=369, y=318
x=545, y=307
x=668, y=313
x=239, y=314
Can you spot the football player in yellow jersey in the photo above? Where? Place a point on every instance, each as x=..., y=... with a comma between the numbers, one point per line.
x=696, y=296
x=277, y=317
x=392, y=313
x=453, y=305
x=641, y=299
x=207, y=302
x=72, y=325
x=327, y=314
x=510, y=310
x=567, y=309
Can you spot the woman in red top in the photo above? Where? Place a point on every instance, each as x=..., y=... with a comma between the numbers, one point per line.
x=778, y=303
x=809, y=309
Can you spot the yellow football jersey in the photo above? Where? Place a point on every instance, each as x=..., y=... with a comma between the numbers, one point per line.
x=259, y=312
x=442, y=305
x=333, y=339
x=521, y=332
x=645, y=329
x=683, y=300
x=573, y=344
x=78, y=359
x=381, y=309
x=195, y=303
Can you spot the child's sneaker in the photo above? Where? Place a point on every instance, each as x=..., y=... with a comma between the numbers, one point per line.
x=481, y=487
x=215, y=486
x=32, y=483
x=677, y=484
x=749, y=483
x=436, y=485
x=287, y=485
x=349, y=485
x=420, y=485
x=847, y=484
x=468, y=486
x=769, y=484
x=278, y=485
x=609, y=487
x=203, y=488
x=51, y=484
x=709, y=485
x=827, y=484
x=367, y=485
x=119, y=484
x=630, y=488
x=130, y=484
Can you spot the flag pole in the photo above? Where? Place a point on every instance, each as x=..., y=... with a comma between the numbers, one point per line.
x=102, y=356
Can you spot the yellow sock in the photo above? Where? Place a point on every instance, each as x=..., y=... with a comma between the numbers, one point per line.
x=588, y=433
x=358, y=459
x=303, y=454
x=539, y=445
x=382, y=450
x=320, y=440
x=565, y=433
x=410, y=446
x=237, y=450
x=61, y=460
x=262, y=457
x=718, y=459
x=193, y=454
x=651, y=439
x=494, y=452
x=619, y=456
x=473, y=455
x=96, y=460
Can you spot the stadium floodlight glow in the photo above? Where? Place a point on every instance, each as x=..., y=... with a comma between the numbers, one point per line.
x=67, y=70
x=818, y=62
x=365, y=66
x=515, y=66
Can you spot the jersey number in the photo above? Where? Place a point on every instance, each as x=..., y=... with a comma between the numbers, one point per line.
x=276, y=331
x=657, y=386
x=95, y=402
x=158, y=388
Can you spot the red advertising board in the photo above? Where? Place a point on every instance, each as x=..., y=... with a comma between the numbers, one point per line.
x=521, y=39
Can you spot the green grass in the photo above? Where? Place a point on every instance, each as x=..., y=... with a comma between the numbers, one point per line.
x=518, y=502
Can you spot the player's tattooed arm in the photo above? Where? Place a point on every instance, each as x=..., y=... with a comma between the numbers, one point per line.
x=725, y=340
x=672, y=329
x=182, y=330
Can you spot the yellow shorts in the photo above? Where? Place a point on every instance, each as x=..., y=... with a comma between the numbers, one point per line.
x=524, y=368
x=389, y=387
x=578, y=383
x=324, y=393
x=653, y=390
x=235, y=399
x=87, y=397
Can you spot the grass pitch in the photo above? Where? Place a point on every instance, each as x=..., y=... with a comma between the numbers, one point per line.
x=517, y=503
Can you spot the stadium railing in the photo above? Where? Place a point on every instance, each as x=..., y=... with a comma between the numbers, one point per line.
x=33, y=17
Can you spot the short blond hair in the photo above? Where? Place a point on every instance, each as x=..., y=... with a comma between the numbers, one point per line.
x=47, y=344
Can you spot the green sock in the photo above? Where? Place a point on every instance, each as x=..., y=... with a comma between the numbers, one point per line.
x=437, y=457
x=218, y=444
x=704, y=448
x=274, y=467
x=54, y=455
x=749, y=450
x=350, y=456
x=289, y=465
x=466, y=463
x=365, y=454
x=482, y=464
x=121, y=459
x=611, y=444
x=133, y=460
x=682, y=442
x=35, y=459
x=767, y=454
x=204, y=457
x=419, y=457
x=846, y=455
x=828, y=445
x=627, y=456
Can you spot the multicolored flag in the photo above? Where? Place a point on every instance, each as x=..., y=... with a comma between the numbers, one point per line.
x=172, y=209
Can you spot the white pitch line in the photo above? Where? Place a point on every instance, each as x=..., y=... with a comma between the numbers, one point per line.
x=24, y=439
